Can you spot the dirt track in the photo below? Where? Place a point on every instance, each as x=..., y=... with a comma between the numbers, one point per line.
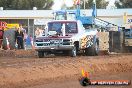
x=33, y=72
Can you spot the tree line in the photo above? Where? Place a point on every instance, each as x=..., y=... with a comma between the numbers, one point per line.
x=124, y=4
x=47, y=4
x=25, y=4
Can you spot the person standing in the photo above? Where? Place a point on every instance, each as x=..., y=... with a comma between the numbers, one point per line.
x=1, y=36
x=19, y=36
x=37, y=32
x=25, y=35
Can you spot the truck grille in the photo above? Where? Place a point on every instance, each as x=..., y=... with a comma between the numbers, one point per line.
x=66, y=42
x=53, y=42
x=49, y=42
x=39, y=42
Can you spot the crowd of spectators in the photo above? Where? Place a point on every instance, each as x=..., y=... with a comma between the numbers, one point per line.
x=21, y=37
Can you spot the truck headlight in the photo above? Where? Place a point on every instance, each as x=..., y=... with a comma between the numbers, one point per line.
x=67, y=42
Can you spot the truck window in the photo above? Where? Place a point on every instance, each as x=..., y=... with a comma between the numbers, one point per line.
x=60, y=17
x=55, y=27
x=70, y=27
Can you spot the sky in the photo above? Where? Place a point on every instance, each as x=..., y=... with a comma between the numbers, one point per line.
x=69, y=3
x=111, y=3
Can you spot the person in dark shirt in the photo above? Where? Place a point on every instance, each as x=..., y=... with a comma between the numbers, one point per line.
x=19, y=38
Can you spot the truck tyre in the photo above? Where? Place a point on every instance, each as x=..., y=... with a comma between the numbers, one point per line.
x=93, y=50
x=10, y=33
x=73, y=52
x=40, y=54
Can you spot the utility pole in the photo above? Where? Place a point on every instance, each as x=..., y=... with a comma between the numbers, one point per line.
x=94, y=13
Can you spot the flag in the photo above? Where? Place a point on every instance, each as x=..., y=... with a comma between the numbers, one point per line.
x=76, y=2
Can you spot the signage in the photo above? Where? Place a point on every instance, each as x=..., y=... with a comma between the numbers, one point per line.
x=3, y=25
x=12, y=25
x=39, y=21
x=129, y=20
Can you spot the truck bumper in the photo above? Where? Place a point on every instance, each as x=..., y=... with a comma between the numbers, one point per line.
x=51, y=48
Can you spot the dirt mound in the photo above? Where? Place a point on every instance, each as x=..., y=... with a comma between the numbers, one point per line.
x=29, y=53
x=18, y=53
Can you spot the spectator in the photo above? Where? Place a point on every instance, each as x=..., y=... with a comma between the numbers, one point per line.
x=25, y=35
x=39, y=32
x=22, y=29
x=24, y=32
x=19, y=36
x=1, y=36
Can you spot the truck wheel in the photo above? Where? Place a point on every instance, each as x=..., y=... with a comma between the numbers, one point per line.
x=40, y=54
x=73, y=52
x=10, y=33
x=93, y=50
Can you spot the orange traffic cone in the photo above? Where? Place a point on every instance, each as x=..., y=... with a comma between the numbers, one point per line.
x=7, y=44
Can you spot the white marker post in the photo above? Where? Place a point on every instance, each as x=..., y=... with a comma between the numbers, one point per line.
x=63, y=30
x=7, y=42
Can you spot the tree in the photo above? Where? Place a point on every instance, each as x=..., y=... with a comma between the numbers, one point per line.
x=100, y=4
x=123, y=4
x=20, y=4
x=6, y=4
x=41, y=4
x=26, y=4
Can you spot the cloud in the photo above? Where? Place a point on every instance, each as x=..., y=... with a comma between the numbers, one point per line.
x=69, y=3
x=59, y=3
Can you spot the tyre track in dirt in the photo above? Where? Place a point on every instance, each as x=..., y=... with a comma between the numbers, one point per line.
x=24, y=72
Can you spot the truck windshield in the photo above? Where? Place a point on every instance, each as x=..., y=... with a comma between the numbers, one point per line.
x=60, y=17
x=70, y=27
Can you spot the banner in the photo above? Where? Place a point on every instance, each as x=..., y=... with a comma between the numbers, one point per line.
x=3, y=25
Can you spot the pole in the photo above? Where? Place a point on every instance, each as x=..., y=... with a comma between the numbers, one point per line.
x=84, y=4
x=33, y=30
x=94, y=13
x=28, y=26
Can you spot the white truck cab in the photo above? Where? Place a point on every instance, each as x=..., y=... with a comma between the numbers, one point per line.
x=68, y=37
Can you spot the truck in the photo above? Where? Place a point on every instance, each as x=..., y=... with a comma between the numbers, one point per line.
x=67, y=37
x=75, y=15
x=87, y=21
